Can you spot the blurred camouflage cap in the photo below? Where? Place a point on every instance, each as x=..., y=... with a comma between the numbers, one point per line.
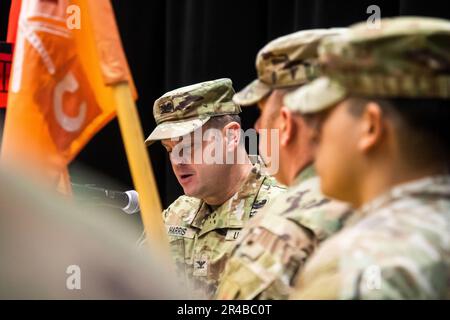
x=183, y=110
x=406, y=57
x=287, y=61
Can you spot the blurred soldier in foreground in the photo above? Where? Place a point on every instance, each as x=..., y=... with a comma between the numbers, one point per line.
x=381, y=117
x=223, y=190
x=49, y=249
x=275, y=244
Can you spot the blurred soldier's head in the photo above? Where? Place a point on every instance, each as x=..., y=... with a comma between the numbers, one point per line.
x=283, y=65
x=200, y=128
x=380, y=114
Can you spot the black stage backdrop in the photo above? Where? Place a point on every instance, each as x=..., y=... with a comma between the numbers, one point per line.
x=172, y=43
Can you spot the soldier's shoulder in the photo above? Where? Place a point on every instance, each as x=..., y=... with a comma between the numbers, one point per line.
x=384, y=266
x=271, y=188
x=267, y=257
x=408, y=217
x=270, y=181
x=399, y=250
x=182, y=209
x=401, y=225
x=394, y=253
x=307, y=206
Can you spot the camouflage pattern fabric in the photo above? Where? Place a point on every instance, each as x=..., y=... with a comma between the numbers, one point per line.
x=201, y=238
x=185, y=109
x=395, y=247
x=274, y=246
x=285, y=62
x=407, y=57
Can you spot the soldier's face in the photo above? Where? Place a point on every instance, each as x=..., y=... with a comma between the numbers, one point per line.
x=198, y=178
x=337, y=157
x=269, y=112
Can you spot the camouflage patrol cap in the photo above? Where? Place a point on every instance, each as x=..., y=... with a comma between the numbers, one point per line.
x=406, y=57
x=285, y=62
x=183, y=110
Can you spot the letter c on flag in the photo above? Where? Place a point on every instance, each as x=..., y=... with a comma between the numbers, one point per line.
x=70, y=124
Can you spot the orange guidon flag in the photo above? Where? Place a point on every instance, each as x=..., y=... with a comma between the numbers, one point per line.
x=67, y=55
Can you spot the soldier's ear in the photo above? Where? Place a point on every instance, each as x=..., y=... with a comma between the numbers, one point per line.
x=232, y=135
x=286, y=126
x=372, y=127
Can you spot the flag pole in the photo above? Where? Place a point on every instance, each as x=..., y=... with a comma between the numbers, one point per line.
x=140, y=167
x=116, y=74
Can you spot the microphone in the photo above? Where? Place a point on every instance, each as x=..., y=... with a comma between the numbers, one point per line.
x=128, y=201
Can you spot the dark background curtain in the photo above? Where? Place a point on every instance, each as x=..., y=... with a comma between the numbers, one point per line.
x=172, y=43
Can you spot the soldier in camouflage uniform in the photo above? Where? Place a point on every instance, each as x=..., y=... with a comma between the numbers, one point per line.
x=220, y=198
x=381, y=116
x=274, y=245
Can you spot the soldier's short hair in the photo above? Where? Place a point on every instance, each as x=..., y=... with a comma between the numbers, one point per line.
x=219, y=122
x=422, y=125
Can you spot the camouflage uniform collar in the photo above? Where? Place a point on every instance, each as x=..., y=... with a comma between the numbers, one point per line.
x=438, y=185
x=233, y=212
x=305, y=174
